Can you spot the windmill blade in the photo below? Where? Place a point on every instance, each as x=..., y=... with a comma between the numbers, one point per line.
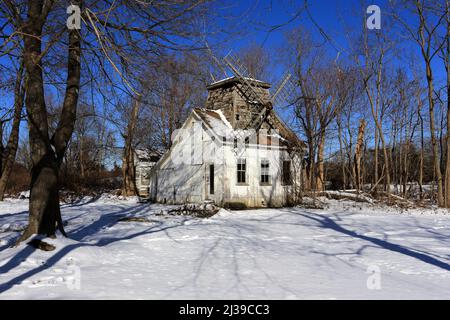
x=259, y=119
x=283, y=90
x=218, y=62
x=240, y=71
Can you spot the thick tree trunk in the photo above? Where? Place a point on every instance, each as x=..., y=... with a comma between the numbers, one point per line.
x=10, y=151
x=45, y=215
x=310, y=167
x=128, y=173
x=47, y=154
x=320, y=181
x=128, y=170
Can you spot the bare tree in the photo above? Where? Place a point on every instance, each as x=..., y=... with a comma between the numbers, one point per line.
x=257, y=61
x=445, y=51
x=8, y=153
x=425, y=36
x=112, y=45
x=319, y=101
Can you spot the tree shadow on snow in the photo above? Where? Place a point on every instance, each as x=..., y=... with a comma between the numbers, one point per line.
x=81, y=234
x=326, y=222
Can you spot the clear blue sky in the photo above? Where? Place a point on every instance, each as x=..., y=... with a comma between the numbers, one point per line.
x=337, y=18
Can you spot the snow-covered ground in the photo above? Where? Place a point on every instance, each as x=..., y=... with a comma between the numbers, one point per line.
x=349, y=250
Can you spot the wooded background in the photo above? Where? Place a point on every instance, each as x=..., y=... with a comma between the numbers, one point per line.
x=371, y=105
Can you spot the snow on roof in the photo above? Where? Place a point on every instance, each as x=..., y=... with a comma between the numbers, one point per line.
x=145, y=154
x=222, y=80
x=215, y=120
x=235, y=79
x=224, y=119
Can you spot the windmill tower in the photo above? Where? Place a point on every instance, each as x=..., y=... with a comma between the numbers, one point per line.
x=246, y=102
x=260, y=104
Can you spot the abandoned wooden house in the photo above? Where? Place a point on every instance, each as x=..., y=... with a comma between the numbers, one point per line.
x=215, y=155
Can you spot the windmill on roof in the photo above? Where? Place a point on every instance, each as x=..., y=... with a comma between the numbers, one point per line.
x=247, y=103
x=261, y=106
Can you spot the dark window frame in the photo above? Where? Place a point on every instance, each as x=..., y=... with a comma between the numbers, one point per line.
x=286, y=172
x=241, y=171
x=264, y=177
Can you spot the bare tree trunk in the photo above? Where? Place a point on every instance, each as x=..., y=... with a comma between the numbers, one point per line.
x=386, y=165
x=320, y=181
x=363, y=167
x=424, y=40
x=81, y=157
x=379, y=130
x=375, y=161
x=128, y=169
x=350, y=156
x=405, y=157
x=341, y=151
x=436, y=162
x=9, y=154
x=358, y=153
x=310, y=167
x=421, y=155
x=47, y=154
x=393, y=156
x=447, y=68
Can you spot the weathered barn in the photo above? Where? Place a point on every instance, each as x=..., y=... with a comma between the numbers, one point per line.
x=215, y=156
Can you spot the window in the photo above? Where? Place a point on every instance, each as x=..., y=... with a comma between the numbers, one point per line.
x=241, y=171
x=235, y=143
x=247, y=140
x=265, y=177
x=237, y=116
x=286, y=178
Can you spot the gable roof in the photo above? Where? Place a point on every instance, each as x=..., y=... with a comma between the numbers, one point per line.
x=146, y=155
x=286, y=132
x=215, y=121
x=219, y=125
